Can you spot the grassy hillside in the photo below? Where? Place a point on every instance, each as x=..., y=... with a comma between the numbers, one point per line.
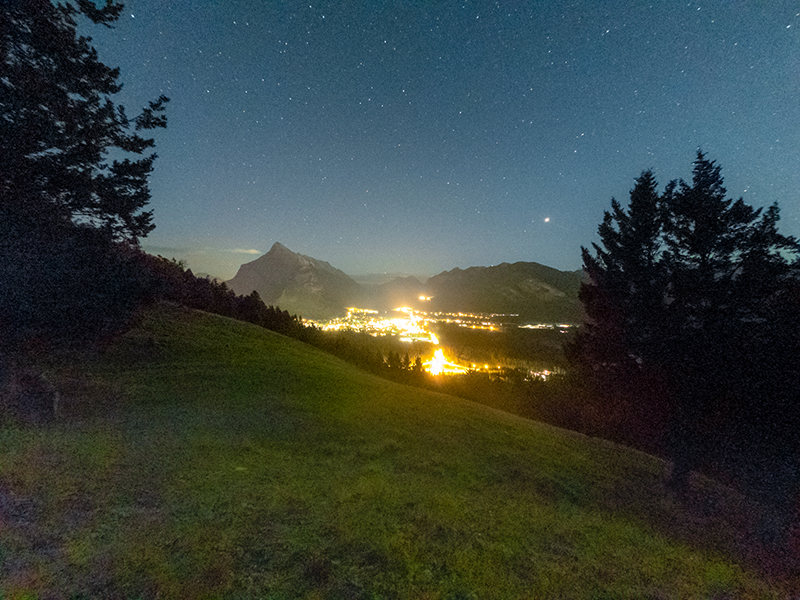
x=204, y=458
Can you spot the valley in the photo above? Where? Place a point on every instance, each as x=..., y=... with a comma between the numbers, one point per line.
x=410, y=325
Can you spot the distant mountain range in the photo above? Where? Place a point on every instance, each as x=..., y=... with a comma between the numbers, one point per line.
x=316, y=290
x=533, y=291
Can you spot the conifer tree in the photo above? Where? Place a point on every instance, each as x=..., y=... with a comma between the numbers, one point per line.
x=622, y=298
x=72, y=205
x=59, y=124
x=688, y=285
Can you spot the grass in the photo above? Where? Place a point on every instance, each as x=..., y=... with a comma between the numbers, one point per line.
x=207, y=458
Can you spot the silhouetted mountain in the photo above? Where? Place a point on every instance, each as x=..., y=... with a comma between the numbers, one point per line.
x=316, y=290
x=297, y=283
x=534, y=291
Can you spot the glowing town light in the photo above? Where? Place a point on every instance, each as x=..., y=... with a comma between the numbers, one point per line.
x=437, y=363
x=434, y=340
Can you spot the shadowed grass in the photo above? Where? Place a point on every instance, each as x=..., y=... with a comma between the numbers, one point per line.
x=206, y=458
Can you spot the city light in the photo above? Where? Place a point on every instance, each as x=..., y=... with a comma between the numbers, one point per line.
x=414, y=326
x=439, y=365
x=435, y=366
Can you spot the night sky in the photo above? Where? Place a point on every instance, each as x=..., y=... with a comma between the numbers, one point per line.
x=415, y=137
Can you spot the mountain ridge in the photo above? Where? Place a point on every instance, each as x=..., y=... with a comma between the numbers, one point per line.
x=317, y=290
x=529, y=289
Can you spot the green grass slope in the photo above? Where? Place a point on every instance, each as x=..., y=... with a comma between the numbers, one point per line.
x=207, y=458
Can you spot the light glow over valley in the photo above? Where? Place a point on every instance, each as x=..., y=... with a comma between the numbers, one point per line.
x=411, y=325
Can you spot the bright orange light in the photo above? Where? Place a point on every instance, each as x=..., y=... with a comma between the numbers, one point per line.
x=437, y=363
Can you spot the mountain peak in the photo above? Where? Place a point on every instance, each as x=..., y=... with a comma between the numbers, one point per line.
x=295, y=282
x=278, y=247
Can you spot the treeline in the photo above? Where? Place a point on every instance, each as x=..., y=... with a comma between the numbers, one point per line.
x=384, y=356
x=169, y=280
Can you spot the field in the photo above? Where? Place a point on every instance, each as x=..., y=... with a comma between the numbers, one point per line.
x=202, y=457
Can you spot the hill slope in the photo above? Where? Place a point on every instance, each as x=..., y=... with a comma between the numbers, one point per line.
x=208, y=458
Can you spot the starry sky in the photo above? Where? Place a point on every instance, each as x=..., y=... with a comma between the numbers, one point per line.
x=410, y=136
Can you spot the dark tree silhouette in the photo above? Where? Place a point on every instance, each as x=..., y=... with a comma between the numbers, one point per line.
x=418, y=367
x=687, y=300
x=59, y=124
x=726, y=267
x=623, y=300
x=71, y=206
